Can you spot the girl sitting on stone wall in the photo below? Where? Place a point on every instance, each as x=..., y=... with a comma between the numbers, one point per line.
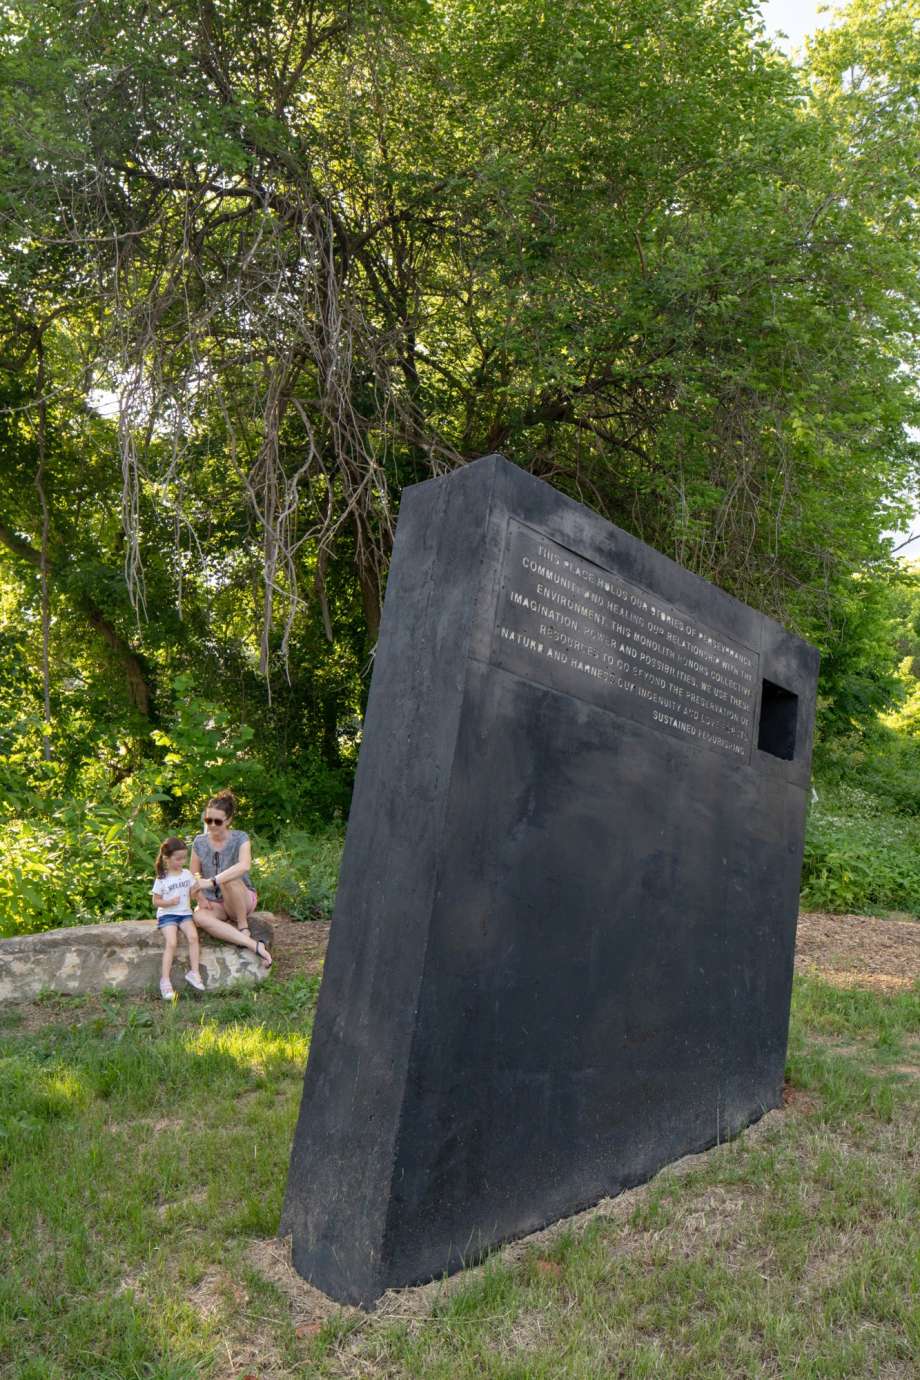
x=172, y=892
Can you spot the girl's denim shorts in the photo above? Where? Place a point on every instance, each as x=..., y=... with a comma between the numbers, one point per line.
x=164, y=920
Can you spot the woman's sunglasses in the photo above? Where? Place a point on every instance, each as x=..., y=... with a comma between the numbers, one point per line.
x=210, y=819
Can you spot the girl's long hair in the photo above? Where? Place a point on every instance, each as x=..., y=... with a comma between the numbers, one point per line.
x=167, y=848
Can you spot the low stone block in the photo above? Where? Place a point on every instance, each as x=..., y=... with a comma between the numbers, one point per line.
x=124, y=956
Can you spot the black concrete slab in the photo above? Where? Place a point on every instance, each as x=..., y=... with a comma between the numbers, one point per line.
x=562, y=949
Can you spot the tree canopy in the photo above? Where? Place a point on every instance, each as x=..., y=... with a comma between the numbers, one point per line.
x=263, y=264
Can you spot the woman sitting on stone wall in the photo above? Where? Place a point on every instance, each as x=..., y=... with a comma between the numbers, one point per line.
x=222, y=857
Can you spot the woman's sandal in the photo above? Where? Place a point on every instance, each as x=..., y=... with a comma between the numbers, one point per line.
x=264, y=955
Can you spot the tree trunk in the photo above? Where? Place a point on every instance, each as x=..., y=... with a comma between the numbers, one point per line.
x=43, y=553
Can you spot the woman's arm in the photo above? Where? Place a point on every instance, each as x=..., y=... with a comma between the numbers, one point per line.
x=243, y=864
x=202, y=884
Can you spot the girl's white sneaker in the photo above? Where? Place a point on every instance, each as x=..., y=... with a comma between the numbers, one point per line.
x=194, y=980
x=166, y=989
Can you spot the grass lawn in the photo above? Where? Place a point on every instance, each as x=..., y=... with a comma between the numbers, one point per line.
x=143, y=1152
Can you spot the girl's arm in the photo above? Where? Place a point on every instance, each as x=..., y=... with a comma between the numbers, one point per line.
x=162, y=901
x=201, y=883
x=227, y=874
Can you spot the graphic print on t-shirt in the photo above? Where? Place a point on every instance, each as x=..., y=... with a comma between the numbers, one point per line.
x=177, y=885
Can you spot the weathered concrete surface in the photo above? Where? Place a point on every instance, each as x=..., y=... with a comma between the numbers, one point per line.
x=124, y=956
x=587, y=770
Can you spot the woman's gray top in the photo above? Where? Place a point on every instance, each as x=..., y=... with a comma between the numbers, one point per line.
x=218, y=860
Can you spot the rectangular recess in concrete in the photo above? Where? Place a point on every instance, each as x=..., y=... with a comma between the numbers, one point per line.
x=779, y=712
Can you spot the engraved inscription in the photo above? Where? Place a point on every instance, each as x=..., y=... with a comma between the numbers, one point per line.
x=571, y=625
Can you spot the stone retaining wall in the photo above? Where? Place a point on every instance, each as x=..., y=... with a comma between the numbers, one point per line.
x=124, y=956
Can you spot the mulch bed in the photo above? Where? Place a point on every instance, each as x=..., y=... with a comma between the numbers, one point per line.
x=859, y=950
x=846, y=950
x=299, y=946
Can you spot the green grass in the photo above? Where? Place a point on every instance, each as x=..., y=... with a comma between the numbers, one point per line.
x=143, y=1152
x=140, y=1147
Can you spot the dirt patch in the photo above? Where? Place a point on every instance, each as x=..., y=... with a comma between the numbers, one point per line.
x=859, y=951
x=846, y=950
x=249, y=1355
x=180, y=1205
x=716, y=1218
x=834, y=1045
x=146, y=1123
x=272, y=1258
x=166, y=1123
x=32, y=1016
x=298, y=947
x=132, y=1283
x=209, y=1297
x=246, y=1347
x=795, y=1100
x=529, y=1333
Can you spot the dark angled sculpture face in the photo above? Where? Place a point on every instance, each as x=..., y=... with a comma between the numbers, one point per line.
x=563, y=941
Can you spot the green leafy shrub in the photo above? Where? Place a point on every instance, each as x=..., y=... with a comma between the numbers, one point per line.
x=298, y=873
x=81, y=854
x=78, y=863
x=93, y=861
x=202, y=751
x=860, y=857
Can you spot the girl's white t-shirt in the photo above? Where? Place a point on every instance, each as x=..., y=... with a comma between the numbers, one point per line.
x=176, y=884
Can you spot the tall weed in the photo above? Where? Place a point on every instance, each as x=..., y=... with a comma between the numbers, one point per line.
x=77, y=864
x=861, y=855
x=298, y=873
